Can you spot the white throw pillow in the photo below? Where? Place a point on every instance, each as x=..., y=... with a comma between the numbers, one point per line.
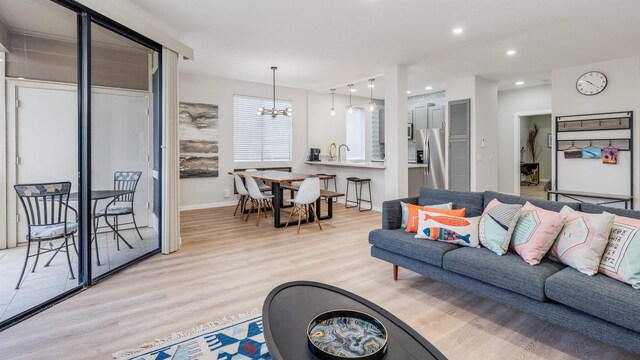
x=582, y=240
x=447, y=228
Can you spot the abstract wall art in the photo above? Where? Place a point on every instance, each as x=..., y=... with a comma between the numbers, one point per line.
x=198, y=140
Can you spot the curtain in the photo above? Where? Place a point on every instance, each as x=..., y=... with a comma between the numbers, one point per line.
x=170, y=154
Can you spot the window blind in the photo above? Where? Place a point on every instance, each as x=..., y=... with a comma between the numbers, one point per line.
x=355, y=134
x=260, y=138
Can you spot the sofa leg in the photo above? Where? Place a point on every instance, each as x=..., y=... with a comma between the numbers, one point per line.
x=395, y=272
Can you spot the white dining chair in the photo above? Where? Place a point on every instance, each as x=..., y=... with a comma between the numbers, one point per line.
x=258, y=199
x=261, y=185
x=304, y=201
x=244, y=196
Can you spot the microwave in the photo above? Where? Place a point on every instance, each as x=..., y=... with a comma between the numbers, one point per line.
x=410, y=131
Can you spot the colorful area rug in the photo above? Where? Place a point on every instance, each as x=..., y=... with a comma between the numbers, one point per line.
x=238, y=337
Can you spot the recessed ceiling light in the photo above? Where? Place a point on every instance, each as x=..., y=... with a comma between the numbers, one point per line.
x=371, y=85
x=511, y=52
x=458, y=31
x=518, y=83
x=428, y=88
x=408, y=92
x=353, y=90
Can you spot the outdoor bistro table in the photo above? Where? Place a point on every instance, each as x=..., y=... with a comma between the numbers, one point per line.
x=97, y=195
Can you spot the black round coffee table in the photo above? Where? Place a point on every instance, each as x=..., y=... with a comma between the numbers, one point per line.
x=289, y=308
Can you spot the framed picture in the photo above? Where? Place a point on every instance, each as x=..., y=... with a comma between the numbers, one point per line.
x=549, y=140
x=198, y=140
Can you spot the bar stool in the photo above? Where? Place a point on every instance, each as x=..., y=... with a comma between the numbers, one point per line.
x=359, y=200
x=327, y=178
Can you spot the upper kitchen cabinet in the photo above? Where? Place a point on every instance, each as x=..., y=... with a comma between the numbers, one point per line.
x=420, y=117
x=435, y=117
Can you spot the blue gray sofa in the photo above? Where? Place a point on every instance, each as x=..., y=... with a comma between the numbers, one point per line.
x=596, y=306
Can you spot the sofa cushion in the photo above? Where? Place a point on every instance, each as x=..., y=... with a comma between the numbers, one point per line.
x=400, y=242
x=508, y=272
x=502, y=197
x=472, y=201
x=597, y=295
x=599, y=209
x=513, y=199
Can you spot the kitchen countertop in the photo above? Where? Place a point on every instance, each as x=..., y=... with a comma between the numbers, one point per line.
x=360, y=164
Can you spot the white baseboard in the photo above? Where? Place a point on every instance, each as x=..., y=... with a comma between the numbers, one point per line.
x=208, y=205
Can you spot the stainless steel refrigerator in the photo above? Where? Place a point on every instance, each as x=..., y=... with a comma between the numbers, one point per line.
x=432, y=142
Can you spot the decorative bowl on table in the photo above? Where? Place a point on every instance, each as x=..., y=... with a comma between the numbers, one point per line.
x=347, y=334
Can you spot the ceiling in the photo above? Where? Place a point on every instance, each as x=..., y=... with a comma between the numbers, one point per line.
x=323, y=44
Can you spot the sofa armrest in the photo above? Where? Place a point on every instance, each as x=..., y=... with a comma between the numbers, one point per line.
x=392, y=212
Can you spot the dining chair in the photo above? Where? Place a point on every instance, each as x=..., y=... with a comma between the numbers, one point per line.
x=304, y=201
x=121, y=205
x=46, y=207
x=244, y=195
x=258, y=199
x=261, y=185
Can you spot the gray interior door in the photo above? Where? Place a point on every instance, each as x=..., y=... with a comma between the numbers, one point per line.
x=459, y=145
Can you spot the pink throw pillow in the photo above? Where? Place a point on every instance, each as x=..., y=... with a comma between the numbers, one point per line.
x=536, y=232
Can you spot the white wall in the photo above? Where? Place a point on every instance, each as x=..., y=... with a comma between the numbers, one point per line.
x=621, y=94
x=198, y=193
x=324, y=129
x=486, y=135
x=510, y=103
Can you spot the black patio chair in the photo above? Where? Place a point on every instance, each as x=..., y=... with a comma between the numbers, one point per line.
x=46, y=206
x=121, y=205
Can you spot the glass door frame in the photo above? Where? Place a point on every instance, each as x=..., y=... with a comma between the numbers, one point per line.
x=85, y=18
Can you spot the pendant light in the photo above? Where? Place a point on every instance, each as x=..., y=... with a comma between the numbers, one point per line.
x=350, y=107
x=372, y=104
x=333, y=102
x=274, y=112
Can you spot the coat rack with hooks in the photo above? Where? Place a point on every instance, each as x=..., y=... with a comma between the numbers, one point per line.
x=612, y=129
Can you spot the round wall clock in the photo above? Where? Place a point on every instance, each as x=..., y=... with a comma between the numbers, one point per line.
x=591, y=83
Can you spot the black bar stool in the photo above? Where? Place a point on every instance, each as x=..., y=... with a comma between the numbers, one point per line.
x=359, y=200
x=327, y=178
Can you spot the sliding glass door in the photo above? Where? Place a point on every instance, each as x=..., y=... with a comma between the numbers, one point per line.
x=122, y=149
x=80, y=199
x=38, y=257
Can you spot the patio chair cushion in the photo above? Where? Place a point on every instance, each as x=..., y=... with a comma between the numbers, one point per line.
x=118, y=208
x=52, y=230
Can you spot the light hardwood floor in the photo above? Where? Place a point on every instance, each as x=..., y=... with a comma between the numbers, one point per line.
x=533, y=191
x=226, y=267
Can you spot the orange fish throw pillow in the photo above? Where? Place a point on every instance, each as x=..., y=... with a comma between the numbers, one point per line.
x=452, y=229
x=412, y=220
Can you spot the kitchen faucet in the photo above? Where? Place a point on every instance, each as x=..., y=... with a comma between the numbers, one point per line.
x=339, y=150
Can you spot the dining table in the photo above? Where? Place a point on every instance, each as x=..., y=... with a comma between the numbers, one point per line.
x=277, y=178
x=96, y=196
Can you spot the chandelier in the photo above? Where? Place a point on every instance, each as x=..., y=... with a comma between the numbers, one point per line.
x=274, y=112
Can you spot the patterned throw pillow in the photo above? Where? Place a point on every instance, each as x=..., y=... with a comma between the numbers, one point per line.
x=621, y=259
x=412, y=218
x=496, y=225
x=582, y=240
x=453, y=229
x=405, y=211
x=535, y=232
